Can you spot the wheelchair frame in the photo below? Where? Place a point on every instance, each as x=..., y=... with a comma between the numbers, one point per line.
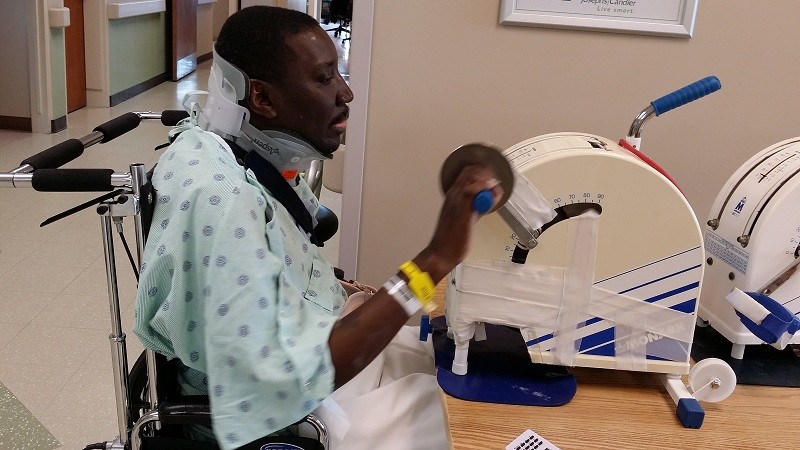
x=129, y=195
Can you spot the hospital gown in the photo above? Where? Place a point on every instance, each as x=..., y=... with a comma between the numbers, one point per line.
x=233, y=288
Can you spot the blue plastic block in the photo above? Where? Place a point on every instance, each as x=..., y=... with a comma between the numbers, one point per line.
x=690, y=413
x=425, y=328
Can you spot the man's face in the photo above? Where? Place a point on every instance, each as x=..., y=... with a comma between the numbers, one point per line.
x=312, y=98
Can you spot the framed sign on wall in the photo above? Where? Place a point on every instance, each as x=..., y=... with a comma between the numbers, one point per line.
x=660, y=17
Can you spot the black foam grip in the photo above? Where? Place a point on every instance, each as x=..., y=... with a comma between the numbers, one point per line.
x=171, y=117
x=72, y=180
x=56, y=156
x=118, y=126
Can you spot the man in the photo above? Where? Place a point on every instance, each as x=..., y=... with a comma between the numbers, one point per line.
x=232, y=284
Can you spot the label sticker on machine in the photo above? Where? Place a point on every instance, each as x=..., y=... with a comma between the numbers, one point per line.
x=739, y=207
x=727, y=251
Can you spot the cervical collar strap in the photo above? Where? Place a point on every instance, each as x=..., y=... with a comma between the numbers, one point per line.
x=271, y=179
x=283, y=150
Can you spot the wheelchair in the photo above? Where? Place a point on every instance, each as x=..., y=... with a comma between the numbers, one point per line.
x=151, y=414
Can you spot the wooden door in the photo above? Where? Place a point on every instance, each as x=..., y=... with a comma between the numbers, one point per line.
x=75, y=48
x=183, y=31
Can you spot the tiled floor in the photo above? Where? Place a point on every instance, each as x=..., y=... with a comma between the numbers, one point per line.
x=54, y=316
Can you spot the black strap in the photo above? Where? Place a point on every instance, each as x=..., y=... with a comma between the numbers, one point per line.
x=82, y=206
x=273, y=181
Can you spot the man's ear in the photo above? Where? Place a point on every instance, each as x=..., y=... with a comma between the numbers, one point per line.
x=261, y=99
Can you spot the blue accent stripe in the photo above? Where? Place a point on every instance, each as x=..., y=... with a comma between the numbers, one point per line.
x=660, y=279
x=597, y=339
x=604, y=350
x=607, y=335
x=649, y=264
x=686, y=307
x=539, y=339
x=652, y=299
x=672, y=292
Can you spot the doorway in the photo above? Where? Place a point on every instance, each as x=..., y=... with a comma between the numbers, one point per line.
x=182, y=29
x=75, y=48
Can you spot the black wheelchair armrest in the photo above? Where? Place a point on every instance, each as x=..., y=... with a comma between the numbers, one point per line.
x=184, y=410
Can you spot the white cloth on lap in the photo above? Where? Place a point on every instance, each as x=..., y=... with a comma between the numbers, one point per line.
x=393, y=404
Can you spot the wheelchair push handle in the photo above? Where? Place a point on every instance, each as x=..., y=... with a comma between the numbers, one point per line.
x=67, y=180
x=64, y=152
x=171, y=117
x=73, y=180
x=55, y=156
x=118, y=126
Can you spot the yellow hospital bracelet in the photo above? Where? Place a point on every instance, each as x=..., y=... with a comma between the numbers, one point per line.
x=420, y=284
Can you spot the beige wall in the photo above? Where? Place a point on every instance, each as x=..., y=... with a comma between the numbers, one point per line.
x=445, y=73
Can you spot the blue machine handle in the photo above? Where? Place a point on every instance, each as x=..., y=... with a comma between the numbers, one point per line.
x=779, y=321
x=684, y=95
x=483, y=200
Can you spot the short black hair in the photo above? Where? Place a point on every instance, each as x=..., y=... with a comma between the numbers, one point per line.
x=254, y=40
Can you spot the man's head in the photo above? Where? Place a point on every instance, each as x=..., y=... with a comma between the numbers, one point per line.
x=292, y=64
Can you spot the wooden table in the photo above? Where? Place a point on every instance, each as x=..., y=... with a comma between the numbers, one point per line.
x=630, y=410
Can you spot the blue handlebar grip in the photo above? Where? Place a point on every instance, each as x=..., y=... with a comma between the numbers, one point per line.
x=483, y=201
x=686, y=94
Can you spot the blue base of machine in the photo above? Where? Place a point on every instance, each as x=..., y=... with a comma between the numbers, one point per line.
x=690, y=413
x=762, y=364
x=500, y=370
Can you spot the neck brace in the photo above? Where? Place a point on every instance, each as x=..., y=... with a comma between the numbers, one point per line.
x=222, y=115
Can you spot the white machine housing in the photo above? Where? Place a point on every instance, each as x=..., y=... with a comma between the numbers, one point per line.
x=752, y=239
x=649, y=254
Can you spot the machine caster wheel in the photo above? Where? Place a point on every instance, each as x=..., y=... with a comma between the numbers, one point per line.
x=712, y=380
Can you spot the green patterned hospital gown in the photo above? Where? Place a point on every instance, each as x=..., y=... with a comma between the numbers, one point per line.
x=232, y=287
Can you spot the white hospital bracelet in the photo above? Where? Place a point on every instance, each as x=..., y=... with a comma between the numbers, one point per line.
x=398, y=289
